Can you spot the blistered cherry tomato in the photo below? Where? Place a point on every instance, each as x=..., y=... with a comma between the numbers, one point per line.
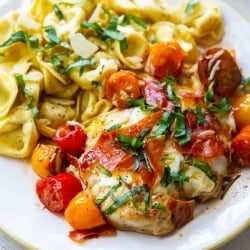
x=241, y=110
x=219, y=66
x=165, y=58
x=82, y=213
x=46, y=159
x=121, y=87
x=55, y=192
x=241, y=147
x=71, y=138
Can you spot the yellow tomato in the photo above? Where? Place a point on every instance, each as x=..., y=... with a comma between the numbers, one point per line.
x=82, y=213
x=241, y=111
x=46, y=160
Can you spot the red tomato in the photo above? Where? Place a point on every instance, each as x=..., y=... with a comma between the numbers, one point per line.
x=241, y=147
x=121, y=87
x=55, y=192
x=71, y=138
x=165, y=58
x=156, y=95
x=221, y=63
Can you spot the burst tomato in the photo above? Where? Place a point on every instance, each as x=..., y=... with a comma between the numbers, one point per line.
x=121, y=87
x=55, y=192
x=241, y=147
x=165, y=58
x=71, y=138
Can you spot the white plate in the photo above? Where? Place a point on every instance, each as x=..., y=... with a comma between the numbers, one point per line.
x=215, y=223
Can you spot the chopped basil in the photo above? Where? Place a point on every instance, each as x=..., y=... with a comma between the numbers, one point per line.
x=129, y=141
x=126, y=197
x=80, y=63
x=28, y=94
x=129, y=17
x=106, y=11
x=21, y=36
x=164, y=123
x=180, y=131
x=114, y=127
x=104, y=170
x=221, y=106
x=246, y=81
x=97, y=84
x=58, y=12
x=109, y=33
x=192, y=4
x=170, y=81
x=159, y=206
x=53, y=38
x=108, y=194
x=200, y=115
x=55, y=60
x=179, y=177
x=203, y=166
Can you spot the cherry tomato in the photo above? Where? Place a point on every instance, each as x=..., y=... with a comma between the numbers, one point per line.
x=241, y=110
x=220, y=66
x=55, y=192
x=71, y=138
x=82, y=213
x=241, y=147
x=165, y=58
x=46, y=160
x=120, y=87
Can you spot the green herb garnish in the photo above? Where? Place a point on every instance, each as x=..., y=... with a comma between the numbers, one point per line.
x=104, y=170
x=28, y=94
x=114, y=127
x=191, y=6
x=159, y=206
x=58, y=12
x=129, y=17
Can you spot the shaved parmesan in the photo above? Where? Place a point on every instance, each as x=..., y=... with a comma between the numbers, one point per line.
x=82, y=46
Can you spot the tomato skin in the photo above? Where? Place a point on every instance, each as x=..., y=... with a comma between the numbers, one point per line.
x=46, y=159
x=241, y=147
x=120, y=87
x=227, y=75
x=165, y=58
x=71, y=138
x=82, y=213
x=55, y=192
x=241, y=110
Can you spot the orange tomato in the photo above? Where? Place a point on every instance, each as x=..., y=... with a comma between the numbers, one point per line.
x=82, y=213
x=241, y=110
x=165, y=58
x=121, y=87
x=241, y=147
x=46, y=160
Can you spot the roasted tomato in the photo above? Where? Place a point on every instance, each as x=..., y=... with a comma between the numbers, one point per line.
x=121, y=87
x=219, y=66
x=82, y=213
x=55, y=192
x=46, y=160
x=165, y=58
x=241, y=147
x=71, y=138
x=241, y=110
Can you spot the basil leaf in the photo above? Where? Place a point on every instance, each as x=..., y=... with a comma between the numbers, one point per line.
x=28, y=94
x=166, y=177
x=104, y=170
x=114, y=127
x=58, y=12
x=203, y=166
x=192, y=4
x=53, y=38
x=124, y=198
x=21, y=36
x=164, y=123
x=80, y=63
x=55, y=60
x=246, y=81
x=200, y=115
x=159, y=206
x=128, y=17
x=108, y=194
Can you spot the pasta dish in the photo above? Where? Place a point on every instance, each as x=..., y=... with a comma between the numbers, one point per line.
x=129, y=111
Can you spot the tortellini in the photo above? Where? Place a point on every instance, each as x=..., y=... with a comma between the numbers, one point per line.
x=64, y=51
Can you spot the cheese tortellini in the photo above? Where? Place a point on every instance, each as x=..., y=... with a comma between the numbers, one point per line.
x=55, y=57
